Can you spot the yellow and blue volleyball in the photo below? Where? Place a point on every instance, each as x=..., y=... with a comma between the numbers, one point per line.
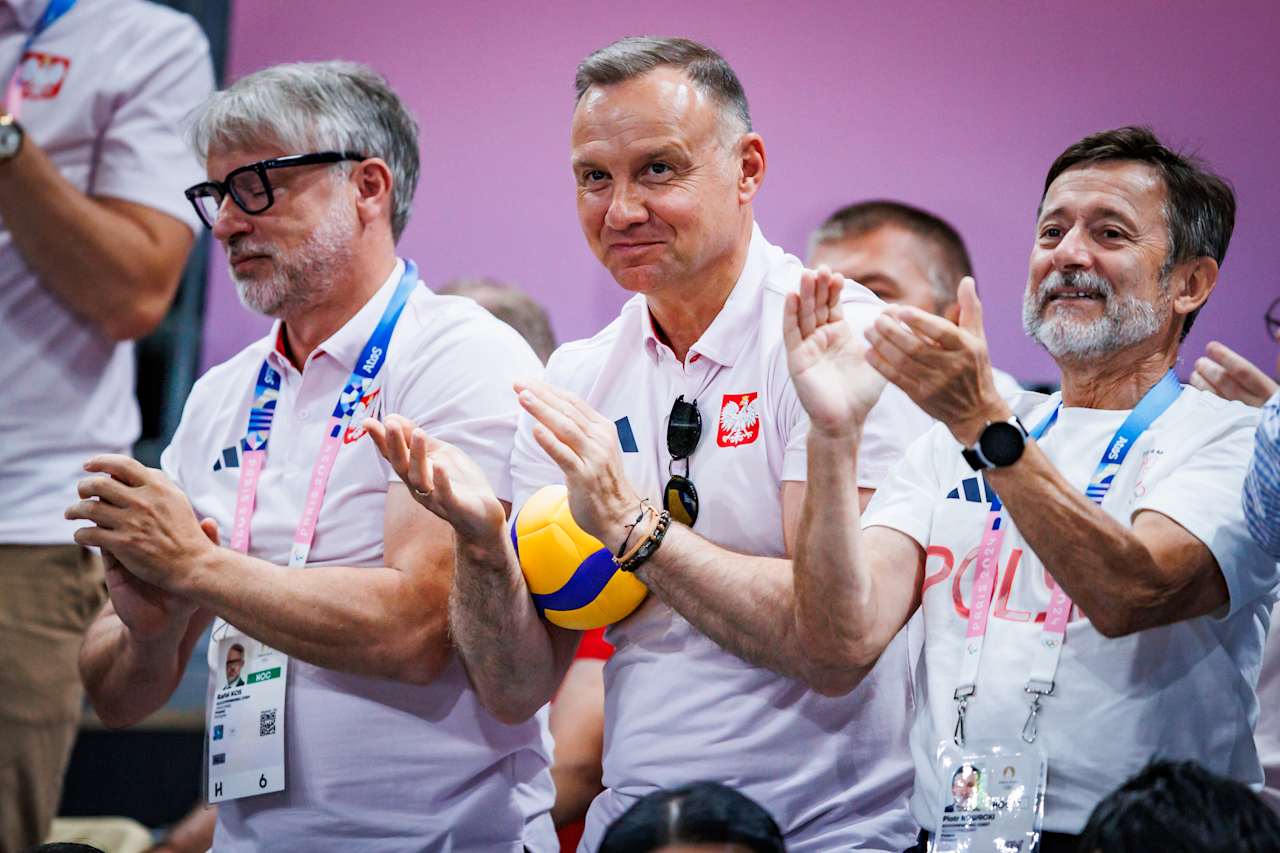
x=571, y=575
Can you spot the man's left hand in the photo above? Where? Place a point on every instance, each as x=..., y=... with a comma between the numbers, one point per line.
x=585, y=445
x=142, y=518
x=943, y=367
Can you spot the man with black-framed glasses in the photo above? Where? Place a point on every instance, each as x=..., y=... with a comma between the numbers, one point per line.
x=684, y=401
x=355, y=727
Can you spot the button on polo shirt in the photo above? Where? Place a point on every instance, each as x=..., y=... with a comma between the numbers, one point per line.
x=834, y=773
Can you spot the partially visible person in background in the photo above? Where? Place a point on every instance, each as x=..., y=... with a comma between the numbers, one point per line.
x=94, y=233
x=517, y=309
x=1179, y=807
x=1233, y=377
x=904, y=255
x=706, y=816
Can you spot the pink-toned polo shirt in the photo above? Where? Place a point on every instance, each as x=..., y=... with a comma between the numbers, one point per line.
x=372, y=764
x=109, y=85
x=834, y=773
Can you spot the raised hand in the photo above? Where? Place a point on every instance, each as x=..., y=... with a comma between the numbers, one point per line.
x=942, y=366
x=585, y=446
x=146, y=610
x=829, y=370
x=441, y=478
x=1231, y=376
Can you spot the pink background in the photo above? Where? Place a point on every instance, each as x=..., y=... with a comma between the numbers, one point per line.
x=958, y=107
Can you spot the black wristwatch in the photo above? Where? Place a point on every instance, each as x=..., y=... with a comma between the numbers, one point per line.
x=1000, y=445
x=10, y=137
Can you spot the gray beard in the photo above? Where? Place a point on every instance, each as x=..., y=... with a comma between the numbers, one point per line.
x=1126, y=320
x=306, y=276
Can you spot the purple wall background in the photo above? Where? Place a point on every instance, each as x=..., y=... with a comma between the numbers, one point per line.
x=959, y=107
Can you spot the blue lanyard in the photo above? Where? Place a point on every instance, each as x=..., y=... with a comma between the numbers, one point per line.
x=1152, y=405
x=52, y=12
x=266, y=389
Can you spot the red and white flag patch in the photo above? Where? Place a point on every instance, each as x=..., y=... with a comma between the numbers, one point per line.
x=739, y=420
x=40, y=75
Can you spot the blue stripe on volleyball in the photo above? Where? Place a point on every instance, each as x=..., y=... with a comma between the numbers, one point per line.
x=583, y=587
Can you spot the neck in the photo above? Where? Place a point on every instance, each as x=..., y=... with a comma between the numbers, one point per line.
x=682, y=314
x=311, y=325
x=1117, y=380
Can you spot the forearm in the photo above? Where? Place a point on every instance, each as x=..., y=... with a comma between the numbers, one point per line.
x=837, y=614
x=102, y=264
x=506, y=647
x=366, y=621
x=128, y=678
x=1103, y=566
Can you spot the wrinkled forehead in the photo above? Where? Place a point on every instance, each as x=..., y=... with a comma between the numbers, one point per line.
x=660, y=107
x=1133, y=190
x=221, y=162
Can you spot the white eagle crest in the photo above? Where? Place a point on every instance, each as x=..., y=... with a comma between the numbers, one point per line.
x=737, y=421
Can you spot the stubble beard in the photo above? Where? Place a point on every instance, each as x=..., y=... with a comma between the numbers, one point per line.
x=305, y=276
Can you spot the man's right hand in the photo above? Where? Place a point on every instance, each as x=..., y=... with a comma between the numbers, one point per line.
x=441, y=478
x=147, y=610
x=832, y=378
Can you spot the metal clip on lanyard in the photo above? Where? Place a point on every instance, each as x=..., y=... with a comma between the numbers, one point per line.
x=1044, y=665
x=52, y=12
x=265, y=394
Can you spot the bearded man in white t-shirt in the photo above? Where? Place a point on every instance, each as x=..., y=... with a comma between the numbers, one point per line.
x=1091, y=595
x=666, y=169
x=335, y=582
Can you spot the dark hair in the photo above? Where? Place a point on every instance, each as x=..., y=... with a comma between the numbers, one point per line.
x=702, y=812
x=64, y=847
x=633, y=57
x=856, y=220
x=1200, y=209
x=1179, y=807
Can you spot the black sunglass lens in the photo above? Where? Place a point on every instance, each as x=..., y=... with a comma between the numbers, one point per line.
x=681, y=500
x=684, y=428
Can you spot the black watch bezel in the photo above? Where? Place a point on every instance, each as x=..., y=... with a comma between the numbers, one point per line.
x=1000, y=445
x=9, y=124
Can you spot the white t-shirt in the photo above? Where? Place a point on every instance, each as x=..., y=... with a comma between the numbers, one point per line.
x=1183, y=691
x=372, y=764
x=1006, y=385
x=112, y=82
x=834, y=773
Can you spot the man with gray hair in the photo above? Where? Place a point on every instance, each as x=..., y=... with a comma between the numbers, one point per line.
x=904, y=255
x=356, y=727
x=688, y=385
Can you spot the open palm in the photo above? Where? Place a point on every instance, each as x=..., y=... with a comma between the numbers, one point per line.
x=832, y=378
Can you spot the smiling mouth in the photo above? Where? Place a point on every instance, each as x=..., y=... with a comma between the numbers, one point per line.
x=1075, y=296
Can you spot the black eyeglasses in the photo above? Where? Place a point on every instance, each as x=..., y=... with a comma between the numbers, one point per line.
x=1273, y=320
x=249, y=186
x=684, y=429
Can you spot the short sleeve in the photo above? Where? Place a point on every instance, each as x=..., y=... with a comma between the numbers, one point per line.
x=459, y=390
x=165, y=75
x=1262, y=484
x=905, y=500
x=1202, y=494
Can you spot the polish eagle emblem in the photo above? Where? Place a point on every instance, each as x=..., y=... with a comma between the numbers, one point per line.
x=739, y=420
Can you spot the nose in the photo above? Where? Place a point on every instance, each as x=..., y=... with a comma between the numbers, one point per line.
x=626, y=207
x=230, y=221
x=1072, y=251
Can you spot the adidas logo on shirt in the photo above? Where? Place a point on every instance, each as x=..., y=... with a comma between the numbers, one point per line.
x=974, y=489
x=228, y=458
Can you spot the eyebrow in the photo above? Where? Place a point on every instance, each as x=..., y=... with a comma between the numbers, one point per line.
x=665, y=151
x=1099, y=213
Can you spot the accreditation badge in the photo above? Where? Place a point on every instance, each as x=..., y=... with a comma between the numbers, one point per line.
x=244, y=730
x=992, y=797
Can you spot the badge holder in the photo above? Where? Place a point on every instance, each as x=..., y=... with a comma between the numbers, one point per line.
x=992, y=797
x=244, y=729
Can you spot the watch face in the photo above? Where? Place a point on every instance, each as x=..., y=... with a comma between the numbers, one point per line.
x=10, y=139
x=1002, y=443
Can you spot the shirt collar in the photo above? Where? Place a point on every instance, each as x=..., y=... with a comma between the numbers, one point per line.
x=345, y=344
x=27, y=12
x=725, y=339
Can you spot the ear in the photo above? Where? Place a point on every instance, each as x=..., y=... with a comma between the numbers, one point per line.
x=1191, y=283
x=373, y=182
x=752, y=164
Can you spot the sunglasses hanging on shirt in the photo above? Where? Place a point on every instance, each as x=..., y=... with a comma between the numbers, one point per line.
x=684, y=429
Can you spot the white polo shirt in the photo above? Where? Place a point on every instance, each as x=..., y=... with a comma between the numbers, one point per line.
x=834, y=773
x=371, y=764
x=108, y=85
x=1183, y=691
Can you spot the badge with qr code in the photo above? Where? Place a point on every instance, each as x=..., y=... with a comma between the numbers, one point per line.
x=244, y=734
